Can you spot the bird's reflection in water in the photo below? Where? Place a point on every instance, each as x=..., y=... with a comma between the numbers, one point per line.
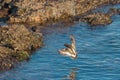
x=71, y=75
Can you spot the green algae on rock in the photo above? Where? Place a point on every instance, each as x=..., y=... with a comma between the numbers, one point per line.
x=22, y=55
x=16, y=44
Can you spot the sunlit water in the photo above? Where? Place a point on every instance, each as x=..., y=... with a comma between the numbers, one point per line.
x=98, y=56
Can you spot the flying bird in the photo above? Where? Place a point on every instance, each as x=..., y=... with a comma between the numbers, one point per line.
x=70, y=49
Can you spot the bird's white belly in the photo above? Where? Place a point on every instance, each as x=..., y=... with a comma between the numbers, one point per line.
x=69, y=54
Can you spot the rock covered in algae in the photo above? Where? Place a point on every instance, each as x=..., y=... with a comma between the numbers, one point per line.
x=16, y=44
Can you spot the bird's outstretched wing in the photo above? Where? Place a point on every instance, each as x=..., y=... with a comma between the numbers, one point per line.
x=73, y=41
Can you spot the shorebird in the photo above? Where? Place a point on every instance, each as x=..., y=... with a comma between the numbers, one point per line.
x=70, y=49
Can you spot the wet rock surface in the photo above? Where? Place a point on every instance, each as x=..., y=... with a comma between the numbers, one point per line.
x=97, y=19
x=16, y=44
x=100, y=17
x=113, y=11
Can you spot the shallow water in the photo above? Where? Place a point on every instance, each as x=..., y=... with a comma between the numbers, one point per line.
x=98, y=56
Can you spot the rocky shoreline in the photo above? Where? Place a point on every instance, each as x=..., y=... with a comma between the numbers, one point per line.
x=16, y=44
x=18, y=41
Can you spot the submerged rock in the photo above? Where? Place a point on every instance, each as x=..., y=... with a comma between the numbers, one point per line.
x=97, y=19
x=16, y=44
x=114, y=11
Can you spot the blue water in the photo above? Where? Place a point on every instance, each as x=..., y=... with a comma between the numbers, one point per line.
x=98, y=55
